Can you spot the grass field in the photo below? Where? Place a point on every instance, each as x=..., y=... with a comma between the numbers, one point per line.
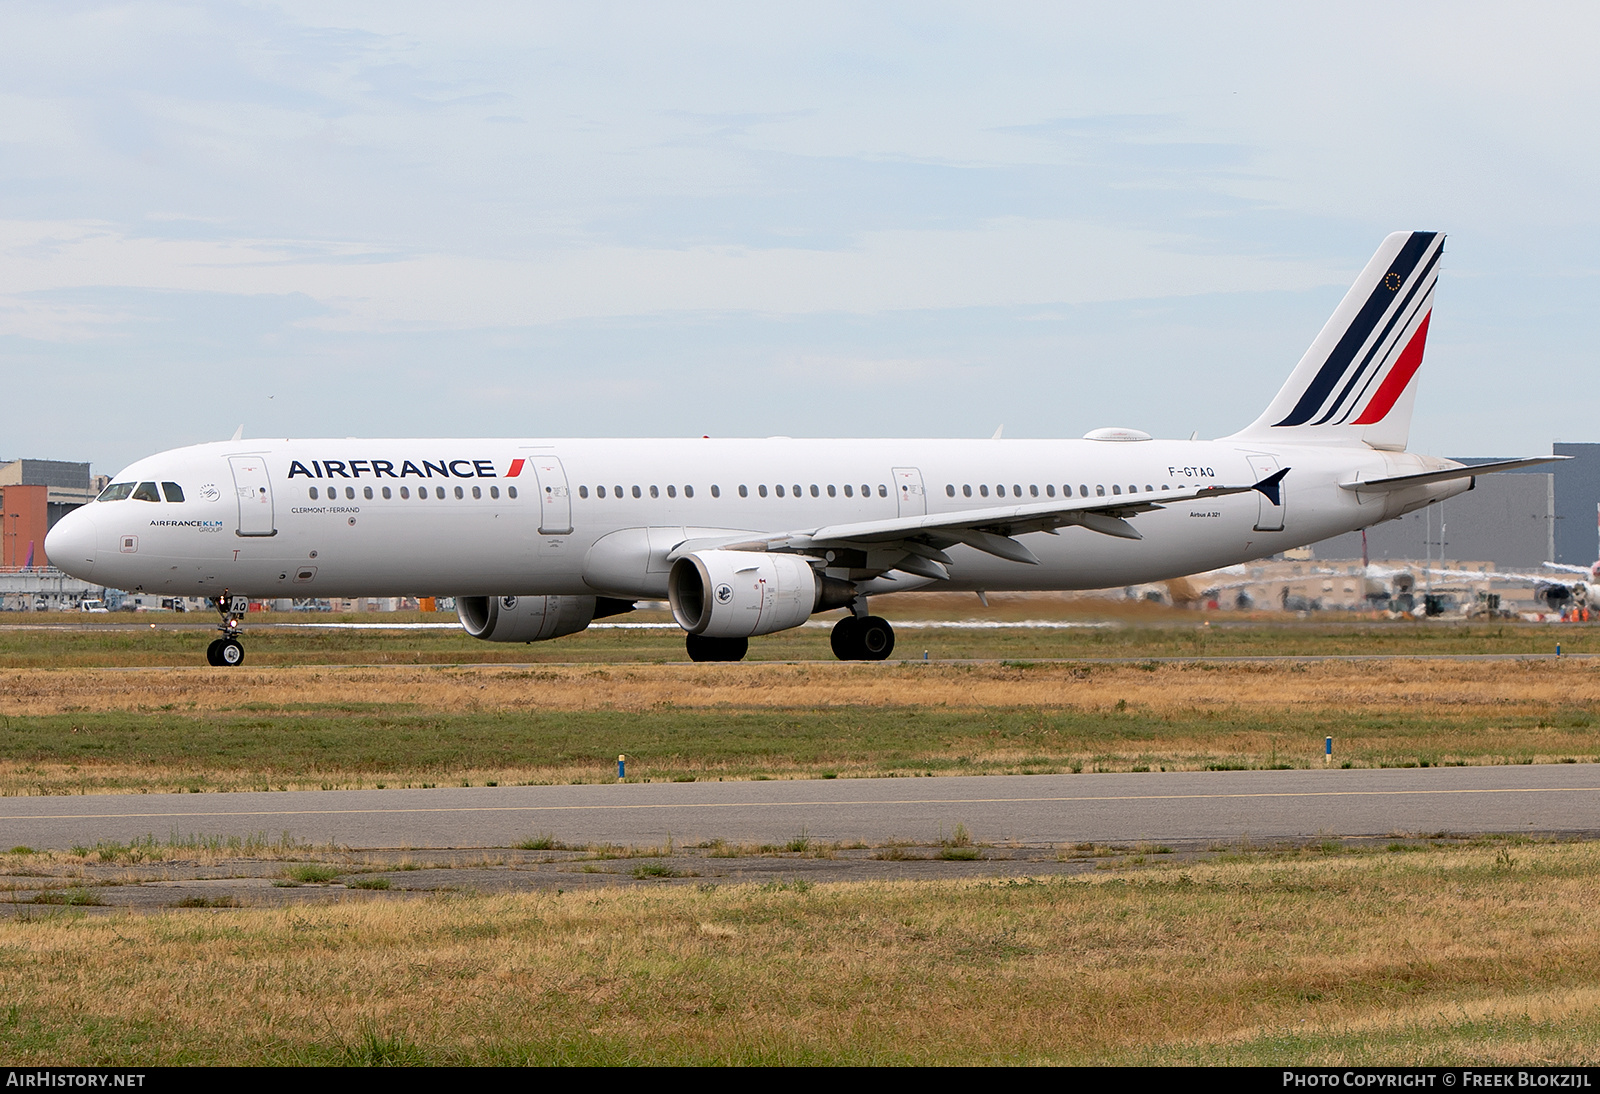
x=281, y=640
x=1478, y=954
x=74, y=719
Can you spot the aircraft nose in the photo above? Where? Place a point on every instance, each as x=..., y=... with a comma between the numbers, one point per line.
x=70, y=544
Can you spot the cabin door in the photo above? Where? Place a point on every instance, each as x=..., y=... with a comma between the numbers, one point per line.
x=555, y=502
x=1269, y=518
x=254, y=491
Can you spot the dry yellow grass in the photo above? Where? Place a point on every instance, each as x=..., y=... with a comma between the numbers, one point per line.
x=774, y=720
x=1485, y=955
x=1162, y=688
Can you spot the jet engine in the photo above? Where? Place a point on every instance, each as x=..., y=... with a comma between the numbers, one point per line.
x=740, y=594
x=524, y=618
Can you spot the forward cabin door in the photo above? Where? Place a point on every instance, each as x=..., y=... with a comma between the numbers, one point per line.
x=555, y=501
x=254, y=491
x=1270, y=517
x=908, y=491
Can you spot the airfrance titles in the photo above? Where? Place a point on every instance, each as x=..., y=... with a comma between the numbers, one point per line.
x=381, y=469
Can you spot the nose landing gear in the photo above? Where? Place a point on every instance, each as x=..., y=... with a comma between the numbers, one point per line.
x=228, y=651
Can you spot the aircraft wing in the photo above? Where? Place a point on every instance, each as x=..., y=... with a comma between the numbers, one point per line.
x=1400, y=482
x=918, y=542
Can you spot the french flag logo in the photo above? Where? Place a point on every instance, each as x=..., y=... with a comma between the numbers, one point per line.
x=516, y=468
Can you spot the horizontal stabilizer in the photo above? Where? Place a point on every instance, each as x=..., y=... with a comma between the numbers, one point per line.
x=1402, y=482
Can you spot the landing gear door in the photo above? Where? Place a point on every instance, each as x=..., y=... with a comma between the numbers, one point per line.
x=254, y=491
x=908, y=490
x=555, y=502
x=1269, y=518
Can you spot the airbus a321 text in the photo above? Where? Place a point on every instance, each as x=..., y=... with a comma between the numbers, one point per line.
x=535, y=538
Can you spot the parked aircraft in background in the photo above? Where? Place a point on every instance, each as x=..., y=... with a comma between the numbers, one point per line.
x=537, y=537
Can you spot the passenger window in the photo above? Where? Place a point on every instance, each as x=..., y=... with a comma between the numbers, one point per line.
x=716, y=491
x=744, y=491
x=950, y=490
x=672, y=492
x=1016, y=491
x=511, y=491
x=832, y=493
x=599, y=491
x=1033, y=490
x=1132, y=489
x=883, y=491
x=688, y=491
x=637, y=492
x=849, y=491
x=386, y=495
x=1100, y=490
x=366, y=492
x=655, y=493
x=172, y=490
x=1115, y=489
x=146, y=491
x=438, y=492
x=983, y=490
x=460, y=493
x=866, y=491
x=617, y=490
x=405, y=491
x=117, y=491
x=583, y=491
x=1049, y=490
x=494, y=491
x=312, y=493
x=779, y=489
x=1083, y=491
x=797, y=489
x=966, y=490
x=1148, y=489
x=815, y=492
x=762, y=489
x=1164, y=486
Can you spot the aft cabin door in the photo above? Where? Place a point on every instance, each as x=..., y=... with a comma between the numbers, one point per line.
x=1270, y=517
x=555, y=502
x=254, y=490
x=908, y=490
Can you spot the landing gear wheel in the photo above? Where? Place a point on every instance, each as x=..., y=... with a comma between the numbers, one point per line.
x=702, y=648
x=211, y=652
x=230, y=652
x=846, y=639
x=874, y=638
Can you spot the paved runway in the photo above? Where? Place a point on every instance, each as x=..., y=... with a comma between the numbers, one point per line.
x=1030, y=809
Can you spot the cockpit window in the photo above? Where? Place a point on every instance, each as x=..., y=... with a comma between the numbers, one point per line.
x=146, y=491
x=172, y=490
x=117, y=491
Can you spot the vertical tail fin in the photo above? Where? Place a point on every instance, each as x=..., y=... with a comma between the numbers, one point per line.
x=1353, y=386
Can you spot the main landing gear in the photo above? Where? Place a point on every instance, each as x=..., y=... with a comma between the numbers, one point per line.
x=228, y=650
x=867, y=638
x=702, y=648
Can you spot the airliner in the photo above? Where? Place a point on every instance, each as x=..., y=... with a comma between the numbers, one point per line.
x=536, y=538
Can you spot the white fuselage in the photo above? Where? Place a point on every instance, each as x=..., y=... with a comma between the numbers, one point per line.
x=304, y=518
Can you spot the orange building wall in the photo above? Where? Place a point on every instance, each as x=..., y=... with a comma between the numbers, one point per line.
x=24, y=519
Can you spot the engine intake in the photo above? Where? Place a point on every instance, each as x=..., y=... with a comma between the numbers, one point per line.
x=740, y=594
x=524, y=618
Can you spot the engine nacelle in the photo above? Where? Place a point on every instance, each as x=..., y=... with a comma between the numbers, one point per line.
x=524, y=618
x=740, y=594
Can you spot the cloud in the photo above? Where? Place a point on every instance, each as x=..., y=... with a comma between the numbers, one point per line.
x=1004, y=263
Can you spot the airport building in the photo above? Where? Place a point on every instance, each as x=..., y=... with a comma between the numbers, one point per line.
x=34, y=494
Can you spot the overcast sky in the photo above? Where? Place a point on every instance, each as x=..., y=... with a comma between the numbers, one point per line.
x=742, y=219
